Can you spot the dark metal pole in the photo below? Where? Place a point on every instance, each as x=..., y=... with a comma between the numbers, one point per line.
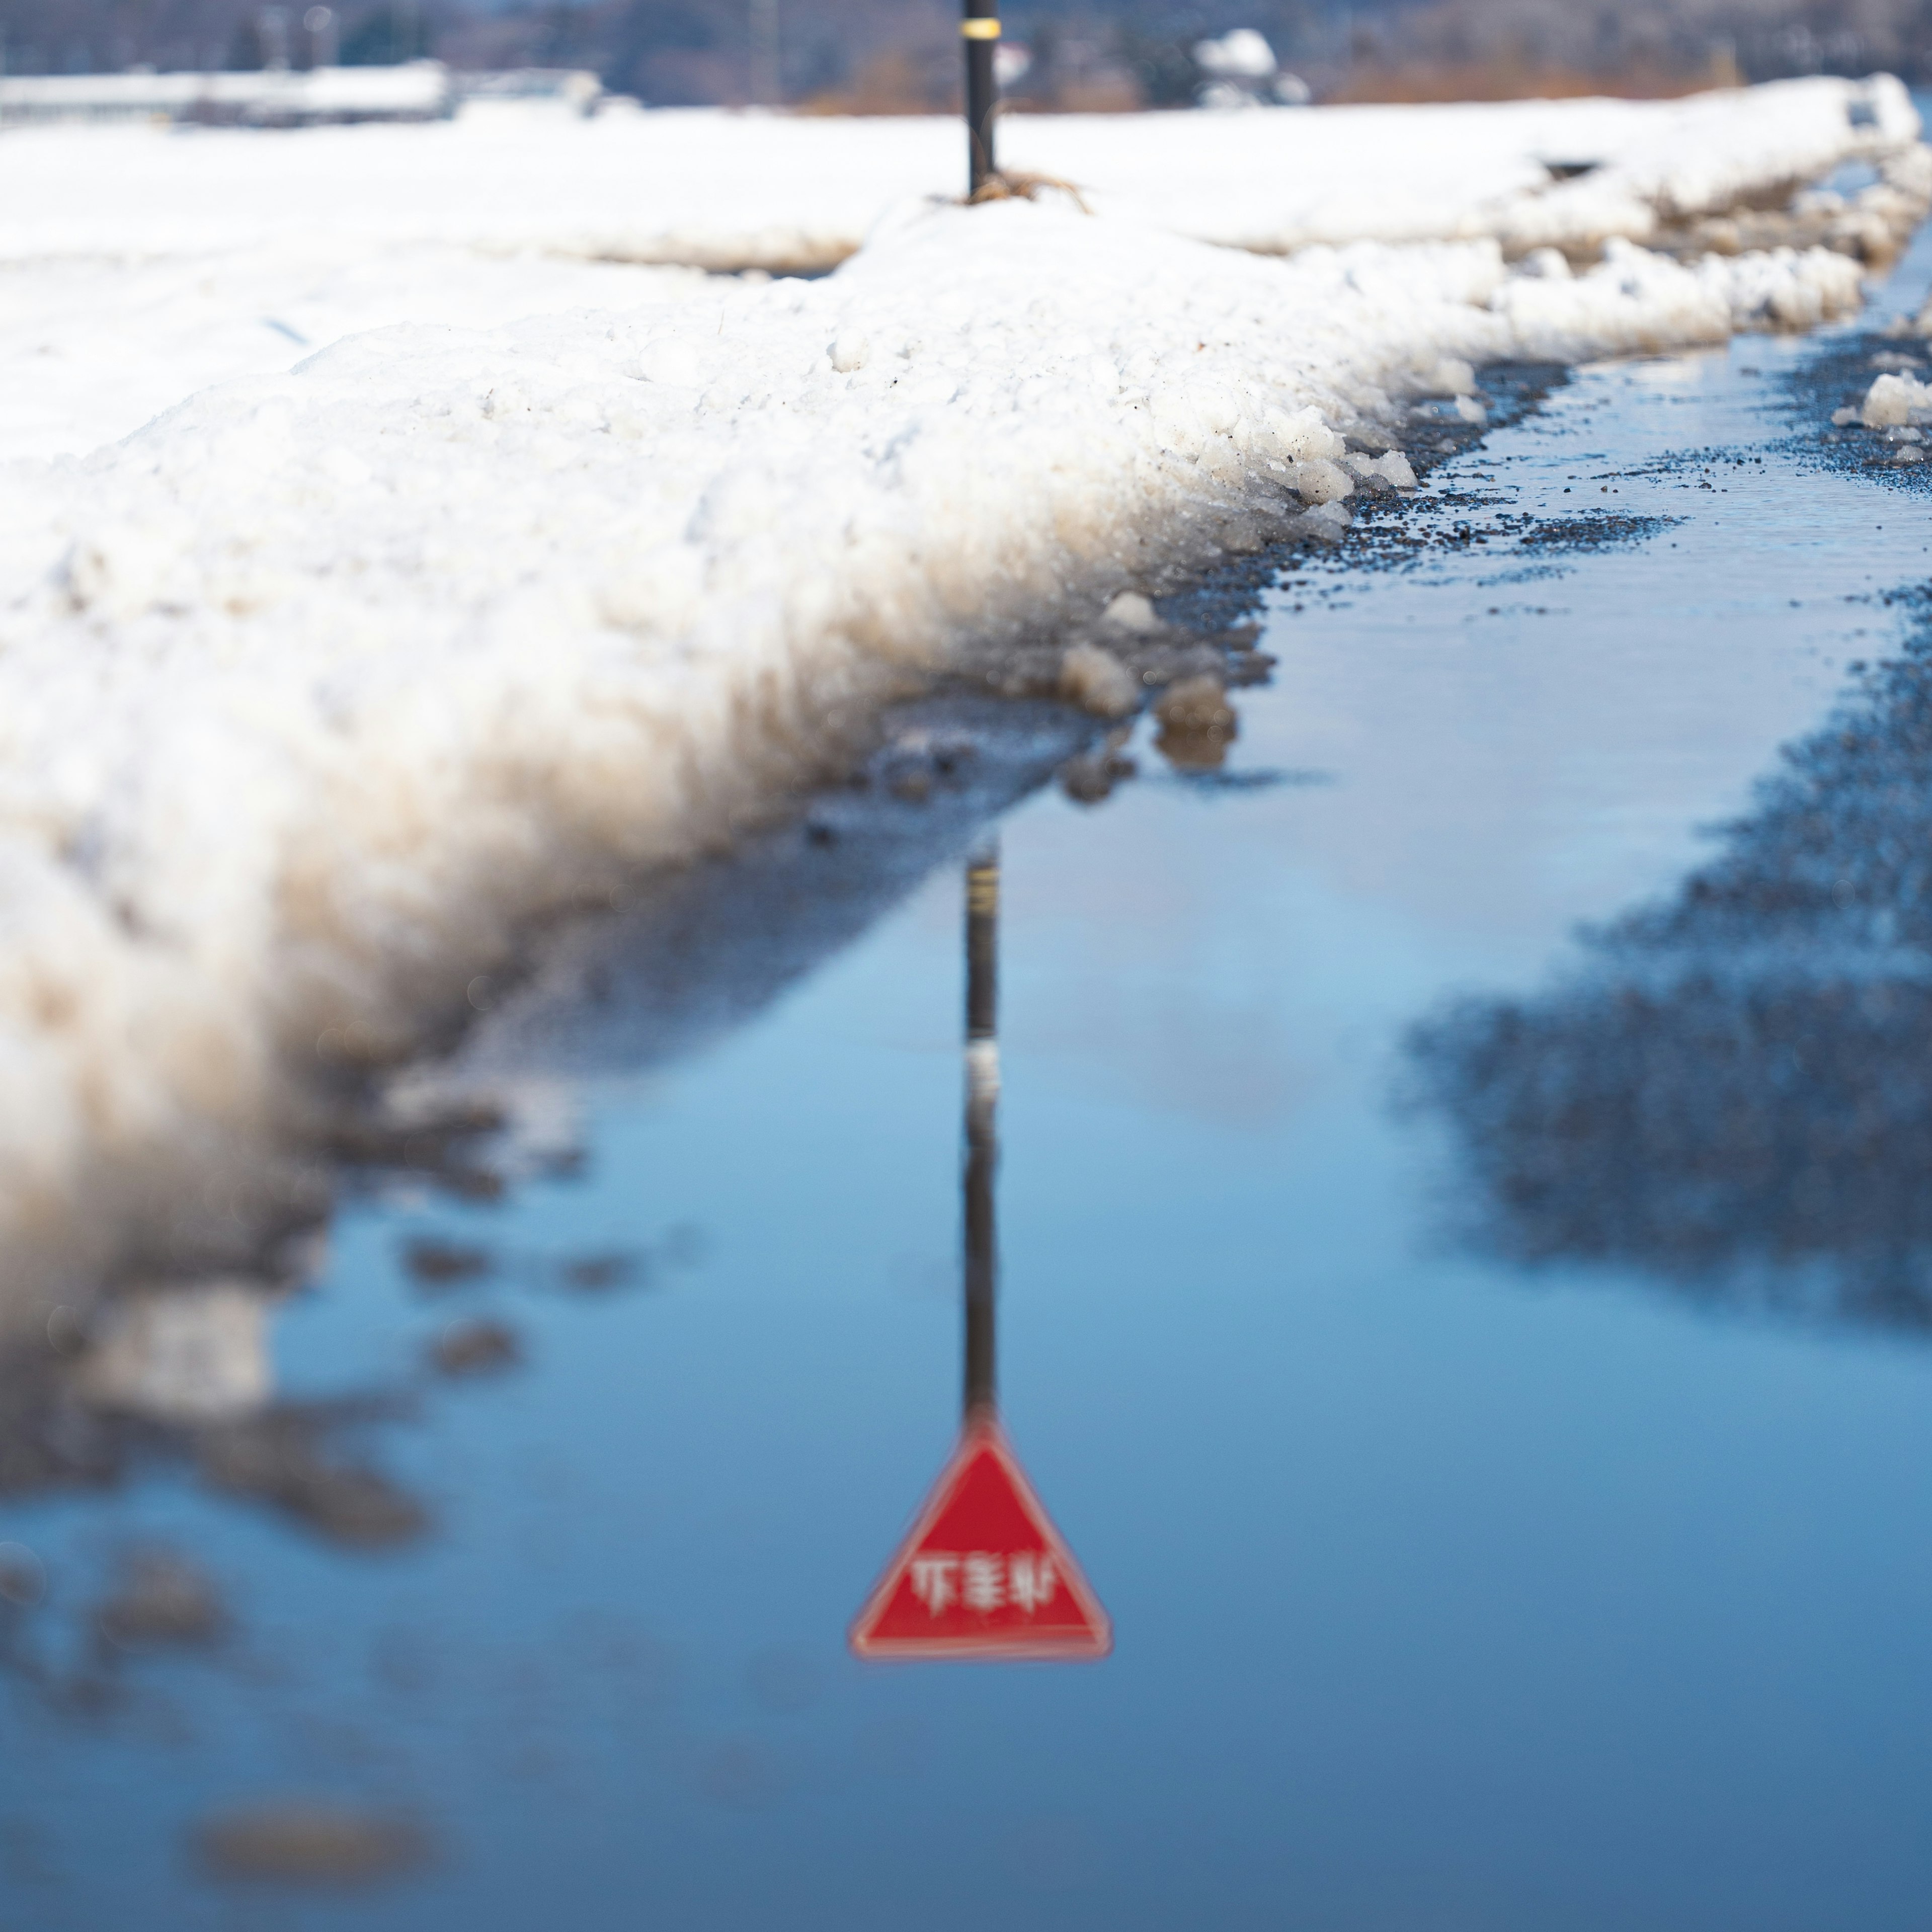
x=982, y=1094
x=981, y=29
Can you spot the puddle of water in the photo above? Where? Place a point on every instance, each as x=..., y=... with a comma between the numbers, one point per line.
x=1442, y=1593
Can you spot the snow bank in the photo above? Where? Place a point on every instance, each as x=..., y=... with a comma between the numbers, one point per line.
x=1571, y=175
x=316, y=690
x=1638, y=302
x=138, y=265
x=719, y=190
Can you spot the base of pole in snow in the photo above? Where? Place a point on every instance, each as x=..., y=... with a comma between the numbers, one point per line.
x=980, y=31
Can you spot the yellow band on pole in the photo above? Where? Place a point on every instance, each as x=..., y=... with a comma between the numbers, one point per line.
x=980, y=29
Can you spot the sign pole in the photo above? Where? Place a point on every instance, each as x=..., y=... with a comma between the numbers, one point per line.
x=982, y=1147
x=980, y=28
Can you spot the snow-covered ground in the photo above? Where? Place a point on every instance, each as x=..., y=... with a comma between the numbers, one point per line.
x=728, y=190
x=138, y=264
x=317, y=689
x=92, y=346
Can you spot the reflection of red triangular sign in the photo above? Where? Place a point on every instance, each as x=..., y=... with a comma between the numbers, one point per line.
x=983, y=1573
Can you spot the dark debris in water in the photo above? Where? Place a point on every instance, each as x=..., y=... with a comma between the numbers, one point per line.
x=482, y=1345
x=295, y=1459
x=1413, y=532
x=1092, y=777
x=599, y=1273
x=76, y=1653
x=436, y=1265
x=1595, y=530
x=310, y=1842
x=159, y=1598
x=1387, y=530
x=447, y=1150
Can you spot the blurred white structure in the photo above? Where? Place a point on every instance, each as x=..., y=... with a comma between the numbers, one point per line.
x=1239, y=70
x=555, y=89
x=1012, y=62
x=415, y=90
x=1242, y=55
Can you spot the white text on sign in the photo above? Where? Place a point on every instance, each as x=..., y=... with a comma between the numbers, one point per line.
x=982, y=1579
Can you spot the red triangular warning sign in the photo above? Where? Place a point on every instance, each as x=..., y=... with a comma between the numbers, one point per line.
x=983, y=1573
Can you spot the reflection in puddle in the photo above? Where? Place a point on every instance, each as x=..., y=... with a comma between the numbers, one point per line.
x=982, y=1573
x=310, y=1843
x=1197, y=724
x=180, y=1371
x=175, y=1379
x=1732, y=1089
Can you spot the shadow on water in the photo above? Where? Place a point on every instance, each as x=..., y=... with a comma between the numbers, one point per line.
x=716, y=945
x=1732, y=1090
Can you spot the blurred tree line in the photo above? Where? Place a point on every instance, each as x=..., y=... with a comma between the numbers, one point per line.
x=896, y=55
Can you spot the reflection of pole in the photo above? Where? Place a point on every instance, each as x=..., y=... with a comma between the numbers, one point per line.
x=982, y=1094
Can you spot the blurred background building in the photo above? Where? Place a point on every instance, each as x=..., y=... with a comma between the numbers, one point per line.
x=884, y=56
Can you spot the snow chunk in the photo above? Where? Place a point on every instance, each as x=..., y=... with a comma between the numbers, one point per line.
x=1098, y=682
x=1297, y=436
x=1389, y=471
x=1450, y=376
x=666, y=359
x=851, y=351
x=1321, y=482
x=1396, y=470
x=1326, y=522
x=1546, y=265
x=1643, y=302
x=1892, y=401
x=190, y=1355
x=1132, y=612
